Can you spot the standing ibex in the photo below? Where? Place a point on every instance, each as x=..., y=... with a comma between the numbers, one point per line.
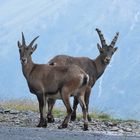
x=94, y=68
x=53, y=82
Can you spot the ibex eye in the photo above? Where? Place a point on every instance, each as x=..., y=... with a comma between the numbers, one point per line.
x=101, y=51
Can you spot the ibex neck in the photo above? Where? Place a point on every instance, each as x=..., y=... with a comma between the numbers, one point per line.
x=100, y=66
x=27, y=68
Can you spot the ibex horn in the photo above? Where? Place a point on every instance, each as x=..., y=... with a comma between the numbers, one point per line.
x=114, y=40
x=31, y=44
x=23, y=39
x=103, y=42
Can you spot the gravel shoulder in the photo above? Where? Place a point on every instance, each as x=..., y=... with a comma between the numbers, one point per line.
x=22, y=124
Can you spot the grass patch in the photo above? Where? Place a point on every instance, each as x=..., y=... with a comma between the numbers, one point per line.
x=31, y=105
x=21, y=105
x=27, y=104
x=59, y=112
x=97, y=115
x=101, y=115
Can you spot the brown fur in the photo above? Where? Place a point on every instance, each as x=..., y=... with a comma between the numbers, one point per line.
x=53, y=82
x=94, y=68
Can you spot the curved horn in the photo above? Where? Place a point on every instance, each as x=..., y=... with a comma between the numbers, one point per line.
x=23, y=39
x=31, y=44
x=102, y=39
x=114, y=40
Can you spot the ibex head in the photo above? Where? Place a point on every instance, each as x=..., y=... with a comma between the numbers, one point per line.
x=106, y=51
x=25, y=51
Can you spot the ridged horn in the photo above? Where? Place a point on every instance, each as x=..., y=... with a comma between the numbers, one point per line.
x=114, y=40
x=32, y=42
x=102, y=39
x=23, y=39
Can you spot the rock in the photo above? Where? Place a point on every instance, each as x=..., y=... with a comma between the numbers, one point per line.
x=17, y=122
x=1, y=110
x=111, y=124
x=103, y=127
x=14, y=111
x=127, y=129
x=137, y=131
x=7, y=111
x=108, y=123
x=114, y=128
x=120, y=131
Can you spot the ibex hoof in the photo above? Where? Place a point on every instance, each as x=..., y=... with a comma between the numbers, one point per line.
x=73, y=117
x=85, y=127
x=42, y=124
x=62, y=126
x=51, y=120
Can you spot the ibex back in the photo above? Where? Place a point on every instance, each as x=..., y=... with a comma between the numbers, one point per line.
x=53, y=82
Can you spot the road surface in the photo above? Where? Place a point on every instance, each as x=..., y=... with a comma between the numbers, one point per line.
x=23, y=133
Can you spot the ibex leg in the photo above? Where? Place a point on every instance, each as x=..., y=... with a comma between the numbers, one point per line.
x=42, y=108
x=50, y=117
x=65, y=98
x=83, y=106
x=87, y=96
x=75, y=103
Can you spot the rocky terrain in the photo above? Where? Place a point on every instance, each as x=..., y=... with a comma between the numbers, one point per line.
x=9, y=117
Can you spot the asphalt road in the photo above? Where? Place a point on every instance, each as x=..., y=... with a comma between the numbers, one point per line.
x=22, y=133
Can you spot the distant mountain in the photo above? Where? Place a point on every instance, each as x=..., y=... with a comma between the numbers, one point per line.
x=68, y=27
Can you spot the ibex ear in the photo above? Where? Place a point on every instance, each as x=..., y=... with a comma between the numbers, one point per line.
x=115, y=49
x=99, y=48
x=19, y=44
x=34, y=48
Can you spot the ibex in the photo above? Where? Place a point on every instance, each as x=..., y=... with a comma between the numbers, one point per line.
x=94, y=68
x=53, y=82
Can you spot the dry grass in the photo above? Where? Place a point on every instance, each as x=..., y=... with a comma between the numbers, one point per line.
x=97, y=115
x=28, y=104
x=21, y=105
